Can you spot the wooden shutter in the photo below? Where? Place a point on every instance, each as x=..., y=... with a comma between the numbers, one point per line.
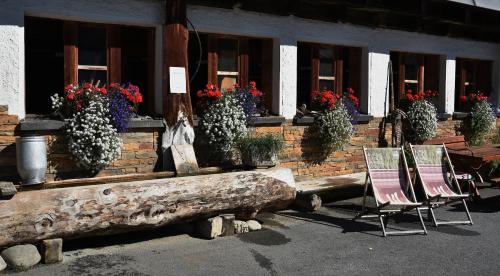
x=421, y=73
x=70, y=33
x=243, y=62
x=339, y=68
x=315, y=68
x=355, y=70
x=151, y=73
x=114, y=53
x=267, y=72
x=483, y=76
x=212, y=59
x=402, y=75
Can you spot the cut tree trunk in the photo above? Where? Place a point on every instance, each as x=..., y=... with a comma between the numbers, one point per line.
x=120, y=207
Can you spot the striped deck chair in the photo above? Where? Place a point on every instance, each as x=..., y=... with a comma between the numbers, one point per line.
x=438, y=179
x=387, y=172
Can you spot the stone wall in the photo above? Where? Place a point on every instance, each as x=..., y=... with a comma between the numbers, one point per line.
x=139, y=153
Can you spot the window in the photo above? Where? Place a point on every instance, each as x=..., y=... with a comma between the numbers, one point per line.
x=415, y=72
x=75, y=52
x=226, y=60
x=472, y=75
x=326, y=66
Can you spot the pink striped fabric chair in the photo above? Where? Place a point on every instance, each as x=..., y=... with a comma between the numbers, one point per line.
x=438, y=180
x=388, y=176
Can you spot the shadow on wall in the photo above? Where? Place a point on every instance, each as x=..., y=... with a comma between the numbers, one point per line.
x=8, y=168
x=312, y=151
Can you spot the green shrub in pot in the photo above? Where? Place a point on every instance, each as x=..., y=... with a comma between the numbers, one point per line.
x=260, y=151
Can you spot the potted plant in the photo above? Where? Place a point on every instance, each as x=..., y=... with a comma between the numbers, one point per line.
x=94, y=118
x=422, y=116
x=260, y=151
x=335, y=121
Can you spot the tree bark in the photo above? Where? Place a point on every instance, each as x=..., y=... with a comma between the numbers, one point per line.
x=120, y=207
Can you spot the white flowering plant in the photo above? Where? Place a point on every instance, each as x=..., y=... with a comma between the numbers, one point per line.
x=422, y=118
x=93, y=118
x=482, y=121
x=335, y=127
x=223, y=122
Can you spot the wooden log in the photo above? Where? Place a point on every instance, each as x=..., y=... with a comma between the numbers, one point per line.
x=120, y=207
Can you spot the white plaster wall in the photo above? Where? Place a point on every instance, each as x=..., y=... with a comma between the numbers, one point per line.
x=127, y=12
x=447, y=74
x=379, y=43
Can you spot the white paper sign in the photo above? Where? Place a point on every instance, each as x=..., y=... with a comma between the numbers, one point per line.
x=178, y=80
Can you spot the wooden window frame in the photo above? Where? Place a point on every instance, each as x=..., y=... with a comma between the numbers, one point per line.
x=113, y=56
x=427, y=63
x=242, y=63
x=475, y=65
x=337, y=63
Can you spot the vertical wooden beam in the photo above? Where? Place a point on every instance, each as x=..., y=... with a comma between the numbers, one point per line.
x=355, y=70
x=151, y=71
x=267, y=72
x=175, y=41
x=339, y=68
x=402, y=77
x=114, y=53
x=315, y=68
x=70, y=30
x=421, y=73
x=212, y=59
x=243, y=62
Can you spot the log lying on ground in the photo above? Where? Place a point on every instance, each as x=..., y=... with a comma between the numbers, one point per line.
x=120, y=207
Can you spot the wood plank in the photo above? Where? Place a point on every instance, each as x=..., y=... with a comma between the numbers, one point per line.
x=315, y=68
x=339, y=69
x=267, y=73
x=129, y=206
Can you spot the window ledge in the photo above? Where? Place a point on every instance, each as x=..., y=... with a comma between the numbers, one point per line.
x=460, y=115
x=43, y=124
x=444, y=116
x=263, y=121
x=308, y=120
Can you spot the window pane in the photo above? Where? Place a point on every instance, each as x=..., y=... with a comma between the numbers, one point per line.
x=226, y=82
x=326, y=84
x=411, y=67
x=92, y=75
x=91, y=46
x=228, y=55
x=326, y=62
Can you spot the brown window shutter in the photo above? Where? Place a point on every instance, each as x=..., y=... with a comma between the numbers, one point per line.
x=212, y=59
x=114, y=54
x=151, y=75
x=243, y=62
x=421, y=73
x=355, y=70
x=339, y=69
x=402, y=75
x=70, y=30
x=315, y=68
x=483, y=76
x=267, y=72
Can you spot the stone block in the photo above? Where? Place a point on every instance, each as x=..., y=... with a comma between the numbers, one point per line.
x=21, y=256
x=7, y=190
x=3, y=265
x=52, y=251
x=240, y=227
x=209, y=228
x=227, y=224
x=254, y=225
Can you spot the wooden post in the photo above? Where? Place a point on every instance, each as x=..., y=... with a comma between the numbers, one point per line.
x=175, y=40
x=177, y=109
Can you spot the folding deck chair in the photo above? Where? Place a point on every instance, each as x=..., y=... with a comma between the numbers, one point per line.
x=393, y=191
x=436, y=174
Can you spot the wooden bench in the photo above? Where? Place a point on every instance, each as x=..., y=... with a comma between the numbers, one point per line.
x=452, y=142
